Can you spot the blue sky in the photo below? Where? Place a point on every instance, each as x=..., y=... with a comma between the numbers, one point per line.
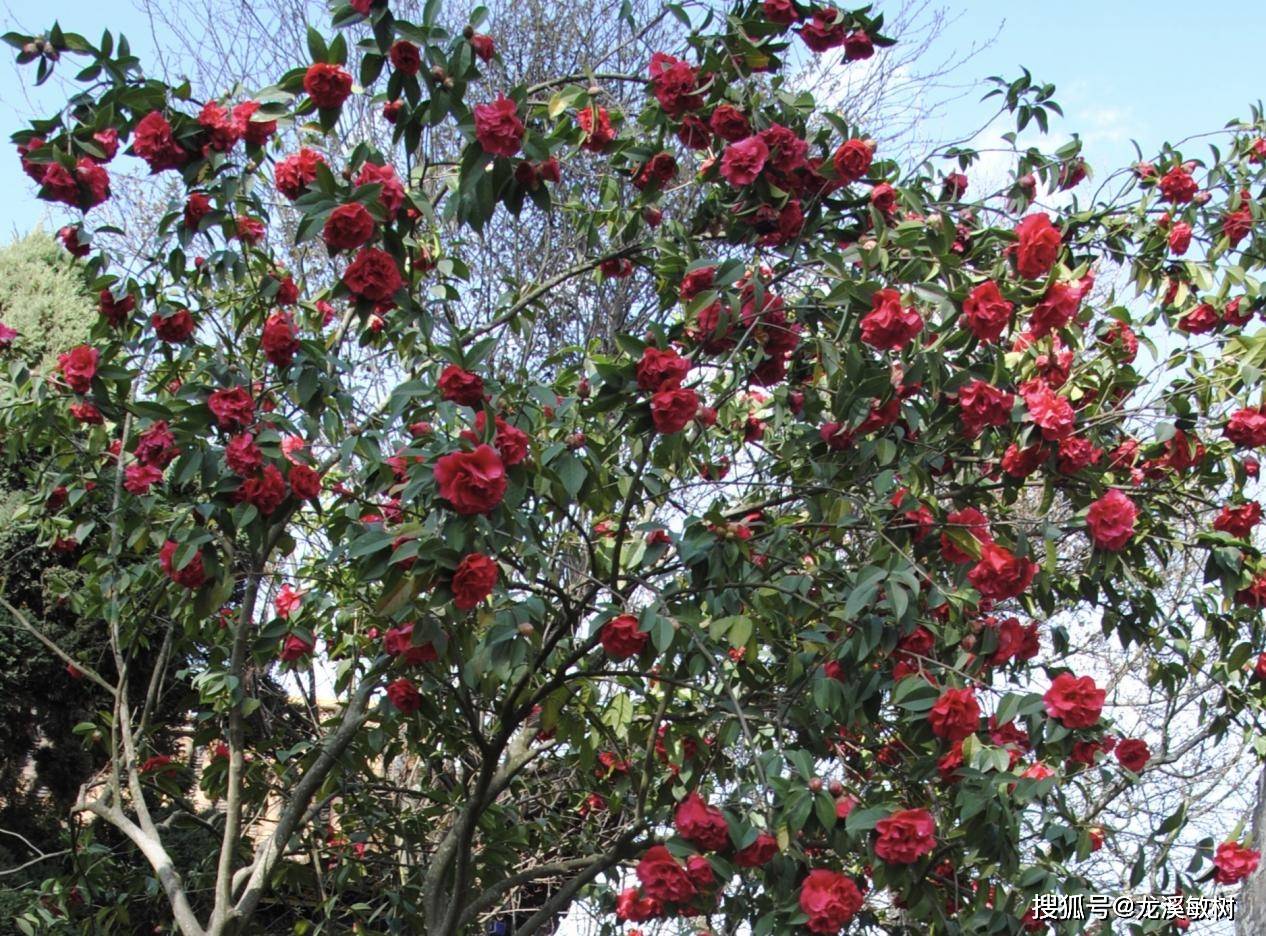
x=1124, y=69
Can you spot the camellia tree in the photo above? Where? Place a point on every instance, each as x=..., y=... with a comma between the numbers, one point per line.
x=744, y=625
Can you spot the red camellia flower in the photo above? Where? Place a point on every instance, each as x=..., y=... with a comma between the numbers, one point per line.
x=675, y=84
x=694, y=133
x=858, y=46
x=498, y=127
x=473, y=482
x=305, y=482
x=744, y=160
x=233, y=408
x=1201, y=320
x=461, y=386
x=824, y=31
x=398, y=641
x=115, y=311
x=255, y=132
x=657, y=170
x=348, y=227
x=672, y=410
x=8, y=335
x=295, y=647
x=1132, y=754
x=759, y=853
x=663, y=877
x=191, y=576
x=905, y=836
x=280, y=340
x=661, y=370
x=511, y=442
x=1057, y=308
x=473, y=581
x=405, y=58
x=782, y=12
x=635, y=907
x=1037, y=247
x=138, y=478
x=1233, y=862
x=296, y=172
x=248, y=230
x=729, y=123
x=701, y=824
x=75, y=240
x=598, y=130
x=483, y=46
x=265, y=490
x=158, y=762
x=982, y=404
x=197, y=207
x=156, y=445
x=971, y=521
x=955, y=715
x=287, y=601
x=1179, y=238
x=154, y=142
x=327, y=85
x=1247, y=428
x=695, y=282
x=889, y=326
x=1238, y=520
x=391, y=195
x=243, y=456
x=622, y=637
x=1178, y=186
x=884, y=197
x=1050, y=412
x=86, y=188
x=985, y=313
x=829, y=899
x=1111, y=520
x=78, y=366
x=222, y=131
x=404, y=695
x=852, y=160
x=373, y=275
x=174, y=328
x=1074, y=701
x=86, y=413
x=1000, y=574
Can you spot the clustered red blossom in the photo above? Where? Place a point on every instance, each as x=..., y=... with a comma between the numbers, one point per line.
x=774, y=182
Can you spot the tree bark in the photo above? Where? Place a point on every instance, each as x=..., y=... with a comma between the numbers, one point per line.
x=1250, y=911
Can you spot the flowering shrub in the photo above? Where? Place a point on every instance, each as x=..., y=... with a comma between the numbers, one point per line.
x=626, y=610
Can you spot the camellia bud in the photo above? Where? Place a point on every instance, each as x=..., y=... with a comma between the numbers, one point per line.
x=468, y=31
x=438, y=73
x=582, y=389
x=526, y=629
x=575, y=440
x=815, y=785
x=836, y=788
x=968, y=643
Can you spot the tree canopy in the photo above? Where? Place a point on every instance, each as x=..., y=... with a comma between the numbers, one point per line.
x=752, y=618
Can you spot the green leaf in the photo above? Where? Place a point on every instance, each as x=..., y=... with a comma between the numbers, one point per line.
x=863, y=820
x=316, y=45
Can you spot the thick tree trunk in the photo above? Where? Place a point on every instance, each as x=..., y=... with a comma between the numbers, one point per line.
x=1250, y=911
